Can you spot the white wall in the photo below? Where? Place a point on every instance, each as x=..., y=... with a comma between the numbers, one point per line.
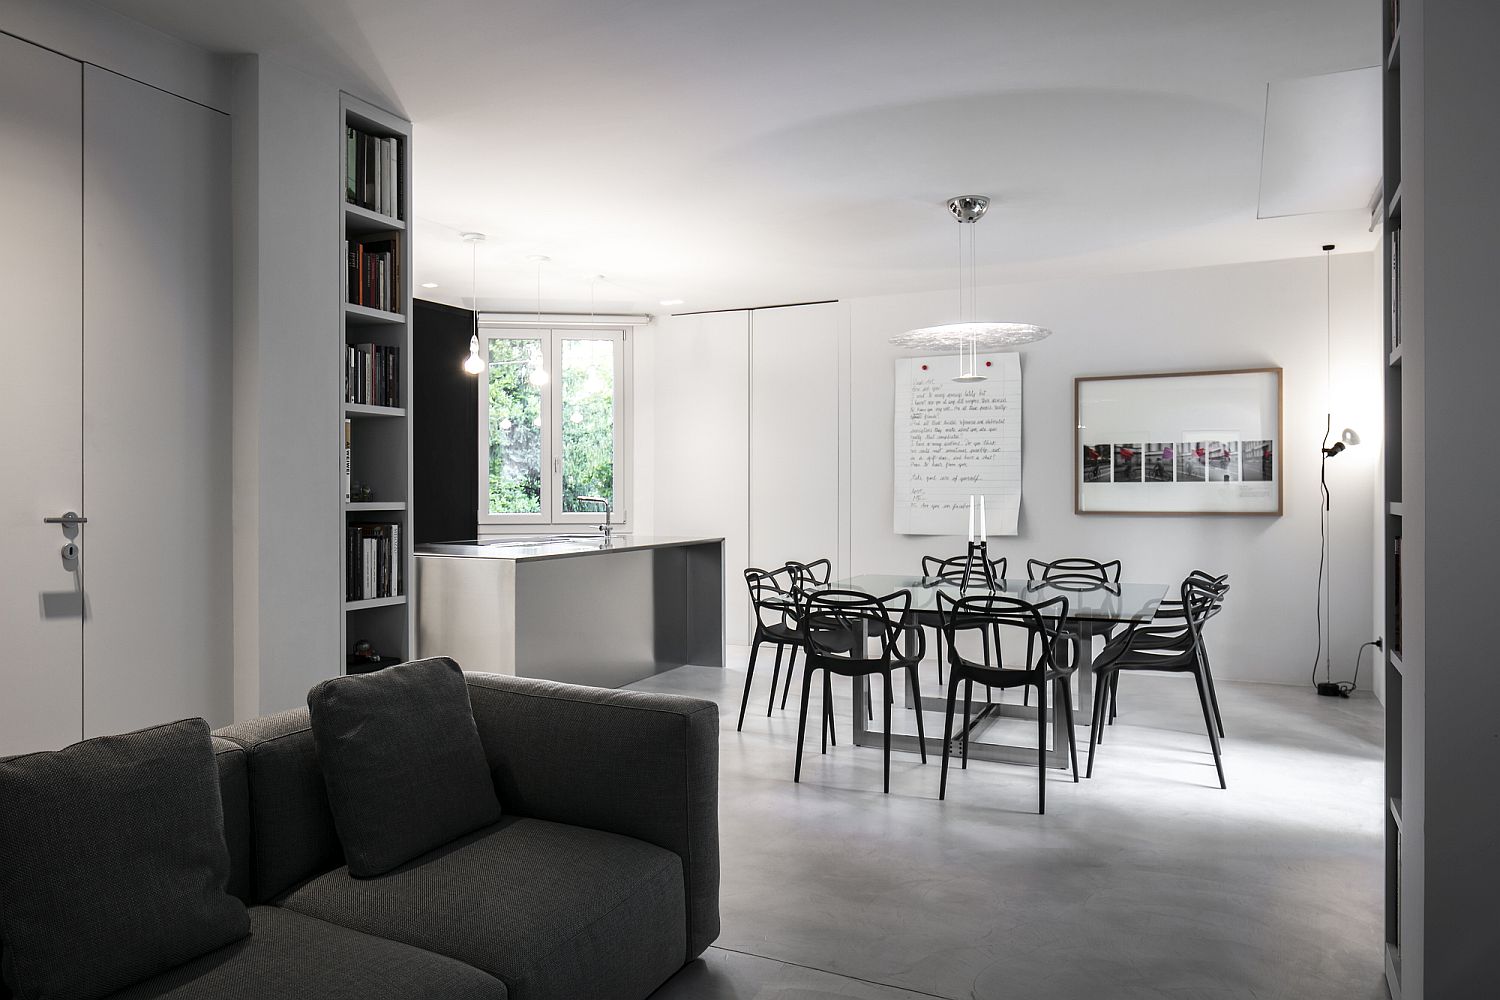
x=1234, y=316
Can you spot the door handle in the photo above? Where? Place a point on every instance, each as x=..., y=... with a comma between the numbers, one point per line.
x=70, y=518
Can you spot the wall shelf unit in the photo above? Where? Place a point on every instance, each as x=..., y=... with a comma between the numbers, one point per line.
x=375, y=167
x=1393, y=625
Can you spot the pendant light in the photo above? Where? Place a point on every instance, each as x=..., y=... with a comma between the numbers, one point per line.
x=969, y=334
x=474, y=364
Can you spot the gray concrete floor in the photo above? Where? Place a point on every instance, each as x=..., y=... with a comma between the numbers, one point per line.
x=1146, y=881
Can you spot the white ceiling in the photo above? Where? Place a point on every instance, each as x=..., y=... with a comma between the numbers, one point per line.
x=732, y=153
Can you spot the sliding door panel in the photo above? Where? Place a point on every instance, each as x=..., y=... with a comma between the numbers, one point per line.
x=157, y=253
x=703, y=432
x=41, y=404
x=794, y=434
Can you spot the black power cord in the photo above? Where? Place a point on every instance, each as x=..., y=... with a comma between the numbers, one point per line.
x=1342, y=689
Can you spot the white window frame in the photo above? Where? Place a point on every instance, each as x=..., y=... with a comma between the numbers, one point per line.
x=552, y=515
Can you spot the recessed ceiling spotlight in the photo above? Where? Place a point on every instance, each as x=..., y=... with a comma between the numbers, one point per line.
x=429, y=284
x=672, y=302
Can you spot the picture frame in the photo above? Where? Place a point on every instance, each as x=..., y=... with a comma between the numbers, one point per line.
x=1188, y=443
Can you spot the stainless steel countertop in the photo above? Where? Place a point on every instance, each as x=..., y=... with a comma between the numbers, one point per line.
x=519, y=548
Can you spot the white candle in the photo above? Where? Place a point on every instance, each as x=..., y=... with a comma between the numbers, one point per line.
x=971, y=517
x=984, y=531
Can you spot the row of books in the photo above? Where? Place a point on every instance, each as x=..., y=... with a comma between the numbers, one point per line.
x=372, y=561
x=1395, y=287
x=372, y=172
x=374, y=277
x=372, y=374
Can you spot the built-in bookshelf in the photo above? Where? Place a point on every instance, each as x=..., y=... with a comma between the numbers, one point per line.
x=1396, y=505
x=375, y=438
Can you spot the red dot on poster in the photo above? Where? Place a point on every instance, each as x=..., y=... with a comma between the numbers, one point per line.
x=988, y=363
x=924, y=368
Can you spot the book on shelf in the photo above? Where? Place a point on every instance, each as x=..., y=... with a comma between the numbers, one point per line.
x=374, y=272
x=372, y=374
x=372, y=561
x=348, y=455
x=372, y=171
x=1395, y=287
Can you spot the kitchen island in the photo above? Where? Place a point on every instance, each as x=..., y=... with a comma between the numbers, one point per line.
x=572, y=608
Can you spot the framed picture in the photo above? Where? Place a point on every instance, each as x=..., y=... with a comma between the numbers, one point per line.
x=1178, y=443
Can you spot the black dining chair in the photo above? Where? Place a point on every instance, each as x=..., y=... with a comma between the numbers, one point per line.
x=1045, y=666
x=1074, y=569
x=960, y=569
x=828, y=618
x=773, y=598
x=1167, y=613
x=1174, y=648
x=809, y=576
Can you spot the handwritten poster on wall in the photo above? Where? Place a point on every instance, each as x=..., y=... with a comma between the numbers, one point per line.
x=955, y=440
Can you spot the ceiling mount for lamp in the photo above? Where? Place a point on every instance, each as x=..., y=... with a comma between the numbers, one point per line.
x=969, y=334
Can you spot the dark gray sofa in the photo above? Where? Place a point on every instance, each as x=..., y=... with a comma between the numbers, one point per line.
x=600, y=881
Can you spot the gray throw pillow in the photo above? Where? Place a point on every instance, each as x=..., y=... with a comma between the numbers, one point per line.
x=401, y=757
x=112, y=863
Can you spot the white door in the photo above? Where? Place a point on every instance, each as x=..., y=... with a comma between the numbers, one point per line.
x=157, y=392
x=41, y=407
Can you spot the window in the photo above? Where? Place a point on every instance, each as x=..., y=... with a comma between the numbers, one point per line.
x=552, y=426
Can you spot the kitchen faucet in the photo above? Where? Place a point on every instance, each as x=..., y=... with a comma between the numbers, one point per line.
x=604, y=502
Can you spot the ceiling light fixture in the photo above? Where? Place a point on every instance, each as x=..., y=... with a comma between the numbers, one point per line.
x=969, y=334
x=429, y=284
x=473, y=364
x=673, y=302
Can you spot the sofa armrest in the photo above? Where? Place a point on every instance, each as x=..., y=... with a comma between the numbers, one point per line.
x=638, y=764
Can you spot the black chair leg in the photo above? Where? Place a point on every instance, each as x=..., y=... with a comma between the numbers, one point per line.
x=916, y=696
x=1114, y=697
x=1208, y=722
x=948, y=734
x=749, y=676
x=1094, y=726
x=833, y=732
x=827, y=684
x=775, y=678
x=888, y=699
x=869, y=703
x=1213, y=697
x=791, y=668
x=968, y=701
x=802, y=721
x=1041, y=748
x=1065, y=690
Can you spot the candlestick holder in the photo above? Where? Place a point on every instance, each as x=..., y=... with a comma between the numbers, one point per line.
x=979, y=550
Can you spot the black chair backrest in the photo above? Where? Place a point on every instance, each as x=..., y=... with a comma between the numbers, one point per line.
x=1175, y=609
x=829, y=617
x=1073, y=566
x=953, y=568
x=810, y=574
x=1044, y=620
x=1201, y=599
x=773, y=596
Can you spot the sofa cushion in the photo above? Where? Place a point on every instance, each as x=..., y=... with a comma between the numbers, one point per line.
x=234, y=798
x=402, y=761
x=114, y=862
x=556, y=912
x=291, y=955
x=293, y=835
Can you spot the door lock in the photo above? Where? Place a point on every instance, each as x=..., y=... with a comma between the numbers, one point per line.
x=69, y=552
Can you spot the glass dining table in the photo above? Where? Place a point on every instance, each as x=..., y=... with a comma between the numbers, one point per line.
x=1095, y=608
